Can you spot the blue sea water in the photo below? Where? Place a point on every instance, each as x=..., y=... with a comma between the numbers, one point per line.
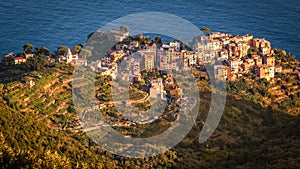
x=54, y=23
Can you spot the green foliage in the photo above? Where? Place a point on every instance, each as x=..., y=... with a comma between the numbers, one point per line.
x=36, y=63
x=43, y=51
x=84, y=53
x=206, y=30
x=27, y=48
x=125, y=29
x=157, y=40
x=61, y=50
x=77, y=48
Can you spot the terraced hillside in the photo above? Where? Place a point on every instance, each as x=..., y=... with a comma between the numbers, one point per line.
x=39, y=129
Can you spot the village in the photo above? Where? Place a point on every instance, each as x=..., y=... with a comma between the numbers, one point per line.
x=231, y=57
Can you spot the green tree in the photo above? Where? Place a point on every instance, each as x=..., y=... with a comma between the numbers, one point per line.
x=84, y=53
x=77, y=48
x=43, y=51
x=205, y=30
x=27, y=48
x=125, y=29
x=35, y=63
x=157, y=40
x=140, y=37
x=61, y=50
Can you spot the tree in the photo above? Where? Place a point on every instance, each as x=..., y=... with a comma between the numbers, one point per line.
x=84, y=53
x=125, y=29
x=205, y=30
x=27, y=48
x=77, y=48
x=61, y=50
x=147, y=41
x=20, y=55
x=140, y=37
x=35, y=63
x=43, y=51
x=157, y=40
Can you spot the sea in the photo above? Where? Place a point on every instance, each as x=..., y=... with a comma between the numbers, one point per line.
x=54, y=23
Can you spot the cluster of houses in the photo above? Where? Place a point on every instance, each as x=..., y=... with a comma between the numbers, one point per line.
x=67, y=56
x=16, y=59
x=232, y=57
x=239, y=55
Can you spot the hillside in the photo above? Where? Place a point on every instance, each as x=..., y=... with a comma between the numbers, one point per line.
x=39, y=129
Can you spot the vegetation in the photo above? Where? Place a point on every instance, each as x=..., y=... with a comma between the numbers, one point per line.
x=205, y=30
x=39, y=125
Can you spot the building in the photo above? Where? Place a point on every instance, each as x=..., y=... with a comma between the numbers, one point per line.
x=257, y=59
x=149, y=61
x=29, y=55
x=222, y=72
x=243, y=48
x=68, y=56
x=246, y=67
x=157, y=89
x=234, y=64
x=259, y=71
x=192, y=59
x=19, y=60
x=264, y=72
x=269, y=60
x=232, y=49
x=223, y=55
x=176, y=45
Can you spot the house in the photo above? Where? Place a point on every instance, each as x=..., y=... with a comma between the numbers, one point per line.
x=136, y=68
x=176, y=45
x=223, y=55
x=269, y=60
x=29, y=55
x=264, y=71
x=271, y=72
x=208, y=56
x=19, y=60
x=232, y=49
x=71, y=56
x=257, y=59
x=256, y=43
x=148, y=60
x=234, y=64
x=222, y=72
x=216, y=44
x=265, y=47
x=68, y=56
x=247, y=38
x=192, y=59
x=259, y=71
x=243, y=48
x=246, y=67
x=169, y=82
x=157, y=89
